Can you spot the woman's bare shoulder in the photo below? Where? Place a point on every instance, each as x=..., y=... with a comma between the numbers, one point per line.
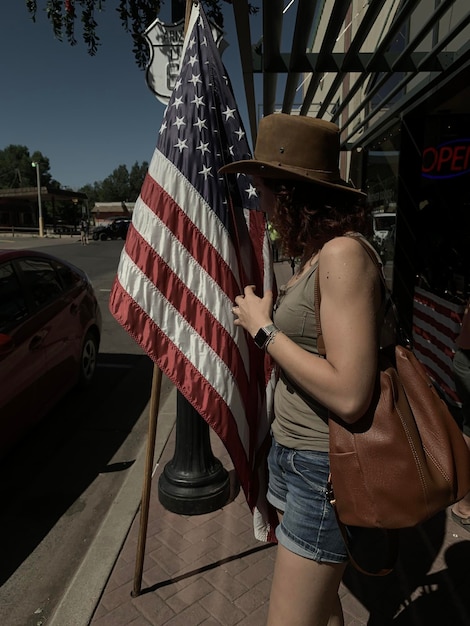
x=342, y=248
x=344, y=257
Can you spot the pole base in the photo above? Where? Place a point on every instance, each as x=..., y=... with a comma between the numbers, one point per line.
x=194, y=482
x=194, y=495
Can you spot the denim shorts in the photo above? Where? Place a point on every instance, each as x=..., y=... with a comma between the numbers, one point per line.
x=298, y=488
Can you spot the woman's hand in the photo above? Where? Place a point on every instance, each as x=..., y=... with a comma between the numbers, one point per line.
x=253, y=312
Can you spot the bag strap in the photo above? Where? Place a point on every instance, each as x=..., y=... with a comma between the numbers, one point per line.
x=292, y=387
x=317, y=299
x=392, y=537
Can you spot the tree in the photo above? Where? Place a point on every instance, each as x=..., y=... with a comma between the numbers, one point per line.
x=92, y=192
x=136, y=178
x=115, y=187
x=16, y=168
x=120, y=186
x=135, y=16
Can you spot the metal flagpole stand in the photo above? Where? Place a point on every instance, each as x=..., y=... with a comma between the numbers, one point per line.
x=194, y=482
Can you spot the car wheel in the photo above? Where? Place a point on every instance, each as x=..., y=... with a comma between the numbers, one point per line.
x=95, y=237
x=88, y=359
x=103, y=237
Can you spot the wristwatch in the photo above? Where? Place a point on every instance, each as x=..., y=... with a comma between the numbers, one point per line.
x=264, y=334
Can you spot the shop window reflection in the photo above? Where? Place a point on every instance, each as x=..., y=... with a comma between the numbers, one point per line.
x=382, y=190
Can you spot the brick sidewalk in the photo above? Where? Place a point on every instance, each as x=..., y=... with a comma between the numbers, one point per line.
x=205, y=569
x=209, y=569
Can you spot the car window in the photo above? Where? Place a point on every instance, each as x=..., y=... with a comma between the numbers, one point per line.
x=42, y=280
x=68, y=277
x=13, y=308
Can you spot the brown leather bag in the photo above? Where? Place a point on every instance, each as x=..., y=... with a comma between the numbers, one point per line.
x=405, y=459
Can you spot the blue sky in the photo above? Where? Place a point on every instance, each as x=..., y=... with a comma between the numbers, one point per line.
x=87, y=115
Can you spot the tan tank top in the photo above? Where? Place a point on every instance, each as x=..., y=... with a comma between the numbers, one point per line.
x=298, y=424
x=299, y=421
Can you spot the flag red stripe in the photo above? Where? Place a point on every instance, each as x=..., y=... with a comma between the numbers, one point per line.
x=426, y=318
x=442, y=309
x=439, y=362
x=433, y=373
x=445, y=349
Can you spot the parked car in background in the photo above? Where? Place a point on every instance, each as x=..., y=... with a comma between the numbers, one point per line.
x=50, y=328
x=116, y=229
x=384, y=228
x=383, y=225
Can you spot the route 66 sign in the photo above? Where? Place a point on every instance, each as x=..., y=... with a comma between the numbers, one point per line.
x=166, y=44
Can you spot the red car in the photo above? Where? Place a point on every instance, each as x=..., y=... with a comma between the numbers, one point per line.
x=50, y=328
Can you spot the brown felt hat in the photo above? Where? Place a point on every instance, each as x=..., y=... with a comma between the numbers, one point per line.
x=296, y=147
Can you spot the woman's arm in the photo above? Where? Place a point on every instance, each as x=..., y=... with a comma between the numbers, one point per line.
x=350, y=300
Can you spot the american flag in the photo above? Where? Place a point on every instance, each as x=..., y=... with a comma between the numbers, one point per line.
x=195, y=241
x=436, y=326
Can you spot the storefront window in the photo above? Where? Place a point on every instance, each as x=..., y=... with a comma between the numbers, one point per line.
x=444, y=207
x=382, y=189
x=442, y=246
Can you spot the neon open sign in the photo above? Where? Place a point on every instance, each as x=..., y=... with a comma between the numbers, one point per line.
x=447, y=160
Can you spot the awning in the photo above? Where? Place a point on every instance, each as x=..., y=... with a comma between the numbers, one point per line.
x=364, y=64
x=47, y=193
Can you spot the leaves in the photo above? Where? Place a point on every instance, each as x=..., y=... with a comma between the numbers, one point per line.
x=120, y=185
x=16, y=168
x=135, y=16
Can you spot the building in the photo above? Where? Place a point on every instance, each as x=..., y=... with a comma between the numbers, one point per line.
x=19, y=208
x=103, y=212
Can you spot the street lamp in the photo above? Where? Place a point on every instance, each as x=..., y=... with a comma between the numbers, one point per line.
x=38, y=179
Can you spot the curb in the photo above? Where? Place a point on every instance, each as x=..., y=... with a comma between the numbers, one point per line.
x=86, y=586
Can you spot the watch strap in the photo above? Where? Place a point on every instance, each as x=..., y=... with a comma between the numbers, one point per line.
x=264, y=335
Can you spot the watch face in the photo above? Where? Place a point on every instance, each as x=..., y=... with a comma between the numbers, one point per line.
x=261, y=337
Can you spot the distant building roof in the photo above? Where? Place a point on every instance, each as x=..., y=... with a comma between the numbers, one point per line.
x=47, y=193
x=113, y=208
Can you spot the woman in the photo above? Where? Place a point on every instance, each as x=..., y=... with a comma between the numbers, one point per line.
x=296, y=172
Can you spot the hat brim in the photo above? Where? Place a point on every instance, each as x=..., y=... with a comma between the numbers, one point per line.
x=253, y=167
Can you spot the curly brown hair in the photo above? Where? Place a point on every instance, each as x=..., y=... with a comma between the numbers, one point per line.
x=308, y=215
